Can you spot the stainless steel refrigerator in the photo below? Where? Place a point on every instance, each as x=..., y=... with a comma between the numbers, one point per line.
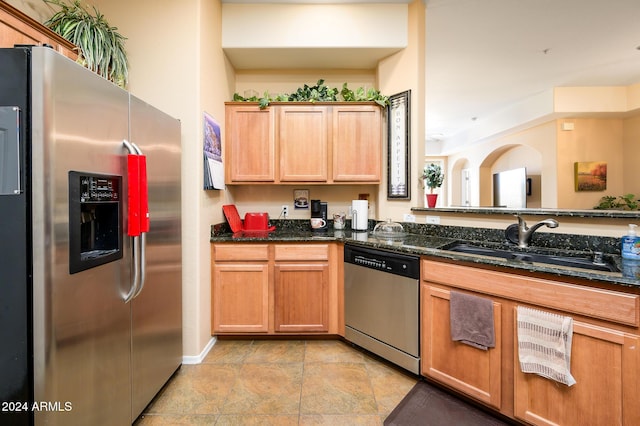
x=90, y=304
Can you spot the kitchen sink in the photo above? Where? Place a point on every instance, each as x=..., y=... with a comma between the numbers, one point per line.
x=550, y=259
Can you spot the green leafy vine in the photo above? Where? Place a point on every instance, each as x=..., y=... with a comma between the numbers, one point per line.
x=318, y=93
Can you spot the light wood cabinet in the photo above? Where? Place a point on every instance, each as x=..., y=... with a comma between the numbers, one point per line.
x=357, y=142
x=240, y=290
x=474, y=371
x=275, y=289
x=18, y=28
x=604, y=363
x=250, y=144
x=303, y=139
x=331, y=143
x=301, y=297
x=605, y=350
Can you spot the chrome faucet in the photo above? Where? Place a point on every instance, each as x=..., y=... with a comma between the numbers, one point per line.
x=525, y=233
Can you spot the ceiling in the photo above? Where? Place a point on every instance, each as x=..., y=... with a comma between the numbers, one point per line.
x=485, y=57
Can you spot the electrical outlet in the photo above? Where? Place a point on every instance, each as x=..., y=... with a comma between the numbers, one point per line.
x=285, y=211
x=433, y=220
x=409, y=218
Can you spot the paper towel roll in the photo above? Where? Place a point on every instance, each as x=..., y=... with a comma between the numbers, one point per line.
x=359, y=215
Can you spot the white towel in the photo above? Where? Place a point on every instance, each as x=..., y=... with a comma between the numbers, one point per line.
x=544, y=344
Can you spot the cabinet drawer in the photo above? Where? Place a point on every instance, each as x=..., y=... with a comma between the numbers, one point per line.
x=592, y=302
x=301, y=252
x=240, y=252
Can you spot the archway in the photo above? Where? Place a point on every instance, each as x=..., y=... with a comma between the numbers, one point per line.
x=509, y=157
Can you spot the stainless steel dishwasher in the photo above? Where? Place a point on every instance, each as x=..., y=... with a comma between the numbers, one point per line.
x=381, y=303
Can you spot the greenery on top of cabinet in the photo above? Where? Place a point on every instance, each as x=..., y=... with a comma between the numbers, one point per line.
x=319, y=93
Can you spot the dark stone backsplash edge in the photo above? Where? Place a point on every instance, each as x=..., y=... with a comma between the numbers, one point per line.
x=544, y=240
x=612, y=214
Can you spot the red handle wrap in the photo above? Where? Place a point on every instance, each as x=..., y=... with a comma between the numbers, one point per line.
x=144, y=195
x=133, y=172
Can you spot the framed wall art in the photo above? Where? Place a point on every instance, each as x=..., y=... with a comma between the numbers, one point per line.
x=398, y=152
x=213, y=166
x=590, y=176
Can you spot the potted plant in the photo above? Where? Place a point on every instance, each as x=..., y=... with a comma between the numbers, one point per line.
x=432, y=178
x=101, y=46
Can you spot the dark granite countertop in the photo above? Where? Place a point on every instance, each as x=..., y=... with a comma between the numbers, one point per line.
x=433, y=240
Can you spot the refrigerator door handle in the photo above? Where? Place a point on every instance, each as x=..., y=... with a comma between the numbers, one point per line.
x=136, y=270
x=142, y=262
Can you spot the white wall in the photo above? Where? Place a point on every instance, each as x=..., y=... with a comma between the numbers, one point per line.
x=400, y=72
x=314, y=25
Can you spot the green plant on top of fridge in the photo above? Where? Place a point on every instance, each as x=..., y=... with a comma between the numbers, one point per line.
x=101, y=47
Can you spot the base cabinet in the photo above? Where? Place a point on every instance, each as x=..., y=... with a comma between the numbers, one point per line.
x=604, y=363
x=474, y=371
x=241, y=304
x=605, y=349
x=240, y=288
x=301, y=297
x=275, y=289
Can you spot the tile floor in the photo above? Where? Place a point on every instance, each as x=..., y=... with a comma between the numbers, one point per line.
x=281, y=382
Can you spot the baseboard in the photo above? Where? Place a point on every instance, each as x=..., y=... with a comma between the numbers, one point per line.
x=197, y=359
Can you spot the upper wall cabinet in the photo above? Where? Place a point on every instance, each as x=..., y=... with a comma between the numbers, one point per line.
x=250, y=144
x=18, y=28
x=303, y=143
x=357, y=143
x=303, y=139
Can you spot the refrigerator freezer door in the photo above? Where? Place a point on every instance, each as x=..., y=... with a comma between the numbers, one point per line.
x=81, y=326
x=15, y=282
x=157, y=310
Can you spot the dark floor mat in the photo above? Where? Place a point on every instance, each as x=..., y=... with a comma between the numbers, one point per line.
x=426, y=405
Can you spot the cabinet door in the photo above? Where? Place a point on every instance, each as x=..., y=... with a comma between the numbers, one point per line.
x=240, y=298
x=18, y=28
x=301, y=297
x=475, y=372
x=604, y=363
x=250, y=144
x=357, y=143
x=303, y=142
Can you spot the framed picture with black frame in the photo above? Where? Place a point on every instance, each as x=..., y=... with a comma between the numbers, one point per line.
x=398, y=152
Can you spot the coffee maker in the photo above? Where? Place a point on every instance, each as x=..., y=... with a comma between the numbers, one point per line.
x=318, y=211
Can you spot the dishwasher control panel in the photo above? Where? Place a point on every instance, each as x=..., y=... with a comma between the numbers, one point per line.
x=386, y=261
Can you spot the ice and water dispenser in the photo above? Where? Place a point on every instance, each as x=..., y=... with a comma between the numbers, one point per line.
x=95, y=225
